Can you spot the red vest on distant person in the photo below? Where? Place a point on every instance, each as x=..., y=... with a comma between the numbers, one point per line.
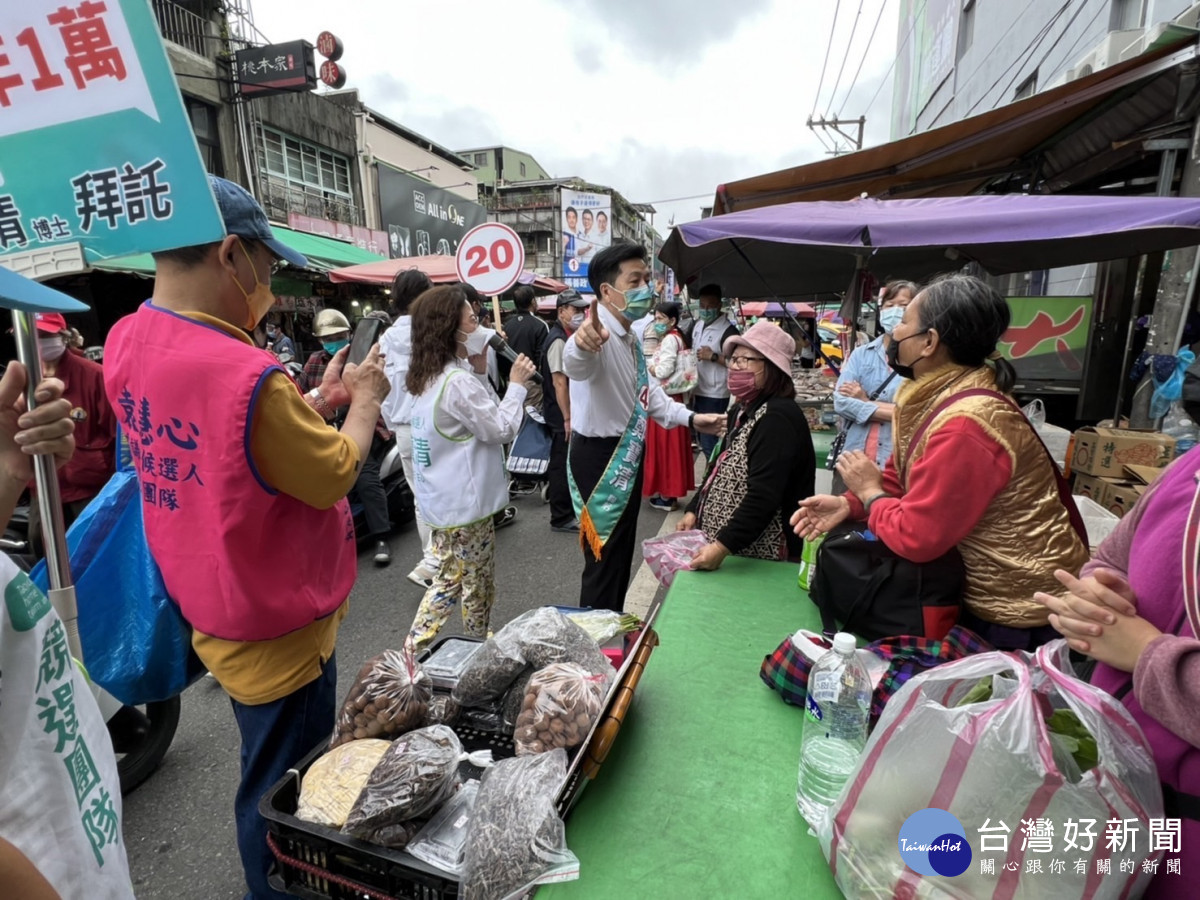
x=243, y=561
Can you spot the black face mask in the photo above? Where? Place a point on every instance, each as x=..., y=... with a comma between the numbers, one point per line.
x=893, y=357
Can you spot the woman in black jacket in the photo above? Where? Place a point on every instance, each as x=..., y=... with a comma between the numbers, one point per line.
x=766, y=465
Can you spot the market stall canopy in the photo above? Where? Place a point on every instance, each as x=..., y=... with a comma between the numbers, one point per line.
x=19, y=292
x=323, y=254
x=803, y=248
x=767, y=310
x=1062, y=136
x=440, y=269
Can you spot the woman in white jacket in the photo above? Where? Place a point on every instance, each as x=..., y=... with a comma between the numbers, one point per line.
x=458, y=433
x=670, y=470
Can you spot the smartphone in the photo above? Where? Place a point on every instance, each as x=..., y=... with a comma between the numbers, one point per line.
x=366, y=335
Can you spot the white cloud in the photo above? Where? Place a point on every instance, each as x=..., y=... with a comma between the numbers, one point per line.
x=657, y=98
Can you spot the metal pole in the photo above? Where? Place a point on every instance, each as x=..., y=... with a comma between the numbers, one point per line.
x=49, y=498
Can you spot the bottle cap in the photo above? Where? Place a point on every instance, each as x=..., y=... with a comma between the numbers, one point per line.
x=844, y=643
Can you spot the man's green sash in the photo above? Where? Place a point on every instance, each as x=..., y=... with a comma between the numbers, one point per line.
x=599, y=514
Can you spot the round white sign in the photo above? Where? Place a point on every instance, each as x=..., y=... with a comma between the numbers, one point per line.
x=490, y=258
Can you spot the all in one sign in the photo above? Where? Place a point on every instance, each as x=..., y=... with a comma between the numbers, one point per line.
x=95, y=146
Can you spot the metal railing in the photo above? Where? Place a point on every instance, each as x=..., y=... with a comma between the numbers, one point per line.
x=279, y=198
x=183, y=27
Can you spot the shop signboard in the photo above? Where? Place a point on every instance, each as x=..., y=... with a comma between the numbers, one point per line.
x=276, y=68
x=586, y=230
x=421, y=219
x=95, y=146
x=363, y=238
x=1048, y=337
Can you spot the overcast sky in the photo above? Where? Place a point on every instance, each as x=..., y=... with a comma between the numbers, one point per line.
x=660, y=99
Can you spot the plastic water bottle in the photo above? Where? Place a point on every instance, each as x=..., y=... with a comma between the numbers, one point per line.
x=1185, y=432
x=835, y=727
x=808, y=562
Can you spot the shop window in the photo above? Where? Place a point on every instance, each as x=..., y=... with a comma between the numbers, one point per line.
x=966, y=29
x=481, y=159
x=301, y=163
x=1026, y=88
x=203, y=117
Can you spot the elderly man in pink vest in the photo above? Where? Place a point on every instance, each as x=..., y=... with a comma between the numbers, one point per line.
x=243, y=488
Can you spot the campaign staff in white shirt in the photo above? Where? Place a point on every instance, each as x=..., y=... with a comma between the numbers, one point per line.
x=611, y=398
x=713, y=328
x=458, y=433
x=396, y=348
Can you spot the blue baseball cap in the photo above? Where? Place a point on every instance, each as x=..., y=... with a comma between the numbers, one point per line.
x=245, y=218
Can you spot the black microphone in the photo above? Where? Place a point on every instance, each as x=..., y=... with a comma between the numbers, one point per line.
x=498, y=344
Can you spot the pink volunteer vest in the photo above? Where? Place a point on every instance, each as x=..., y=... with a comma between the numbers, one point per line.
x=243, y=561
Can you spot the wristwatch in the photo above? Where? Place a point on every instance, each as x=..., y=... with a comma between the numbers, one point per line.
x=320, y=404
x=692, y=421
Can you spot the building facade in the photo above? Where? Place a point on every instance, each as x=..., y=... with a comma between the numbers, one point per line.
x=498, y=167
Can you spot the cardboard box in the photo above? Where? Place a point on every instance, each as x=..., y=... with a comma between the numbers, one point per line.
x=1090, y=486
x=1143, y=474
x=1119, y=496
x=1107, y=451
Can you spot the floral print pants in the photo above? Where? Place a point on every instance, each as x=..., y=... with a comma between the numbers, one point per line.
x=466, y=573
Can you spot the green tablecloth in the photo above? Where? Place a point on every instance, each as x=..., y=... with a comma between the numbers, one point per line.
x=698, y=797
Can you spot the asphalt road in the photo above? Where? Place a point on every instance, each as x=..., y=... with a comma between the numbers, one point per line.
x=179, y=827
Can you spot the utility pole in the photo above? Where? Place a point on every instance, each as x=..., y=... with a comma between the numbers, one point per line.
x=835, y=125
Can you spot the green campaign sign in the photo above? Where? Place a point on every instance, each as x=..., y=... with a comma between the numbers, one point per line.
x=1048, y=337
x=95, y=145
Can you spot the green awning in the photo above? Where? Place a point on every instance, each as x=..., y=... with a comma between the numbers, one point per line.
x=323, y=254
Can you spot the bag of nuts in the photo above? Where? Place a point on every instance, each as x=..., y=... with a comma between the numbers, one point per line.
x=561, y=704
x=389, y=697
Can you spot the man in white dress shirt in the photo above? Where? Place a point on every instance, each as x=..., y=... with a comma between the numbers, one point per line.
x=708, y=337
x=611, y=397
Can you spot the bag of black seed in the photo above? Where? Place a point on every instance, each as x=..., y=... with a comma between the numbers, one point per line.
x=515, y=838
x=412, y=779
x=537, y=638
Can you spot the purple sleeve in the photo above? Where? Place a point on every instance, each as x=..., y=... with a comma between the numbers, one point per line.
x=1166, y=682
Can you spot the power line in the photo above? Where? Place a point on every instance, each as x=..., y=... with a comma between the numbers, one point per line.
x=862, y=59
x=1027, y=54
x=828, y=47
x=899, y=50
x=845, y=56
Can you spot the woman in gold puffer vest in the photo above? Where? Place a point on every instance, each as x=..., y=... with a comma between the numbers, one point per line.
x=967, y=469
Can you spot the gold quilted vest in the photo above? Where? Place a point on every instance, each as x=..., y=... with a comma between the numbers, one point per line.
x=1025, y=534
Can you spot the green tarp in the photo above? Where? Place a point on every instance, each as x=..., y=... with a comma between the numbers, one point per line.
x=323, y=254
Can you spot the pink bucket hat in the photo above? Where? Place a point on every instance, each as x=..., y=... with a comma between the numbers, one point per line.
x=772, y=342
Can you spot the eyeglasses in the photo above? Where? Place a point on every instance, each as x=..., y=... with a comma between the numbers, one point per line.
x=743, y=362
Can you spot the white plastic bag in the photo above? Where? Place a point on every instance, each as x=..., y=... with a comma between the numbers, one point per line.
x=1056, y=439
x=668, y=554
x=989, y=763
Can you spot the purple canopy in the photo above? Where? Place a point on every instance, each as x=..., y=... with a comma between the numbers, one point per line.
x=802, y=248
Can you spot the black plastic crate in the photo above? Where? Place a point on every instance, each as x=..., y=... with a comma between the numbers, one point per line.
x=320, y=863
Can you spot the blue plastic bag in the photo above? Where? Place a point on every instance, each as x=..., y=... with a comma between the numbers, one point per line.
x=136, y=644
x=1168, y=391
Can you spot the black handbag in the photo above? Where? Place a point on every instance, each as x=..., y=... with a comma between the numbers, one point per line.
x=839, y=440
x=875, y=594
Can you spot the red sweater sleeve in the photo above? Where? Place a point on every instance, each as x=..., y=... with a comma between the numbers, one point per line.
x=891, y=486
x=949, y=488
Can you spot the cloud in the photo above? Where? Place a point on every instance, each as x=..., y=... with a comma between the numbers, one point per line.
x=671, y=32
x=384, y=89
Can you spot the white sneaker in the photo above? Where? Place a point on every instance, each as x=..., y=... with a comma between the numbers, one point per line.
x=421, y=577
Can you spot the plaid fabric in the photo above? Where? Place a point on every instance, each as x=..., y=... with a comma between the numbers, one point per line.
x=314, y=371
x=786, y=669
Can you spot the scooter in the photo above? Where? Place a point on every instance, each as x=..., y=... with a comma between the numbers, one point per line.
x=141, y=735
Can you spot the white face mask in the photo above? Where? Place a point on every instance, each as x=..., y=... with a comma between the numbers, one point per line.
x=52, y=348
x=577, y=320
x=476, y=341
x=889, y=318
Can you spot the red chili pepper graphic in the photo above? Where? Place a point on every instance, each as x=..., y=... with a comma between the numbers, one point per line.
x=1025, y=339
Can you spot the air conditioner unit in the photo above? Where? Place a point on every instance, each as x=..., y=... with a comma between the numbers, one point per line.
x=1106, y=53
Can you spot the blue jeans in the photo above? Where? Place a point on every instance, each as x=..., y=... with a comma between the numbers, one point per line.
x=709, y=405
x=275, y=736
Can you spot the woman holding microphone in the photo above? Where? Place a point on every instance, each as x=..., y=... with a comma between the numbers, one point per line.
x=458, y=432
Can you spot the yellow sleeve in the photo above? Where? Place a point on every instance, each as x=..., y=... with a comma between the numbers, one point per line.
x=296, y=451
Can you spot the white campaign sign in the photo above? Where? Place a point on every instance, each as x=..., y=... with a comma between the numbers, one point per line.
x=490, y=258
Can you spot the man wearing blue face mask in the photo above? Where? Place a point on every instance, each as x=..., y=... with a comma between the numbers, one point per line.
x=713, y=327
x=612, y=397
x=866, y=384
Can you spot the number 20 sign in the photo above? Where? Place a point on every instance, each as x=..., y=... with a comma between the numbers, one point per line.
x=490, y=258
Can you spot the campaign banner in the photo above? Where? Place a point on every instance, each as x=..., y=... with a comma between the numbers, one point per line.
x=95, y=145
x=586, y=230
x=1048, y=337
x=421, y=219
